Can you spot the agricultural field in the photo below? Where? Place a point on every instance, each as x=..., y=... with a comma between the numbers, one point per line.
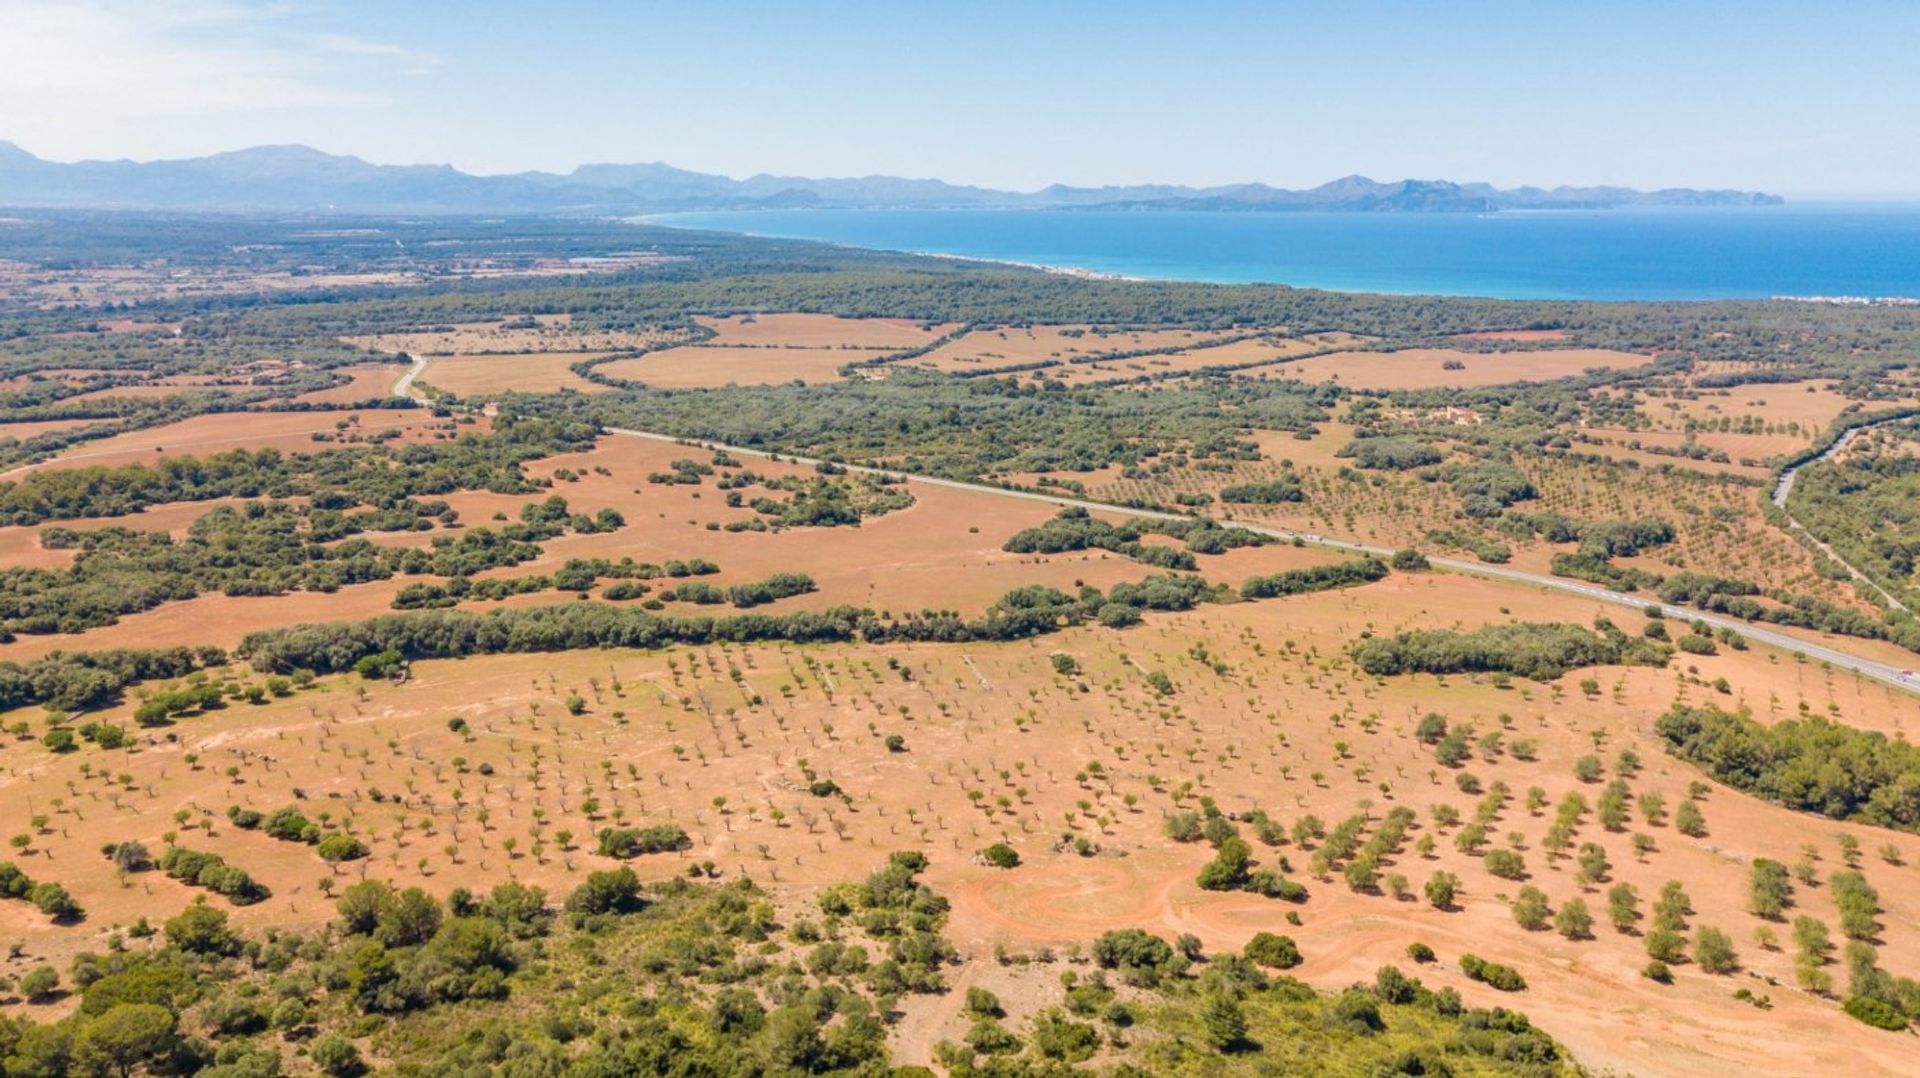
x=796, y=660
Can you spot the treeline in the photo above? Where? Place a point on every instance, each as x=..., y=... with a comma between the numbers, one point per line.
x=1739, y=598
x=1076, y=529
x=335, y=479
x=1542, y=651
x=264, y=548
x=1811, y=764
x=68, y=681
x=1344, y=574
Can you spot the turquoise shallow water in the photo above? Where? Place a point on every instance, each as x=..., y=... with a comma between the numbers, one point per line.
x=1804, y=250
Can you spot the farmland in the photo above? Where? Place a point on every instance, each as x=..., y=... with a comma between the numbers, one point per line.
x=413, y=716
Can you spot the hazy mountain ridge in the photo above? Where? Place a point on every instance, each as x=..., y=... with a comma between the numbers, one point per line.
x=299, y=178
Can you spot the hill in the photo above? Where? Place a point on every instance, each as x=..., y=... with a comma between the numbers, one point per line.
x=299, y=178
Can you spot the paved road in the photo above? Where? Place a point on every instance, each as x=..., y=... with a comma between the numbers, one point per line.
x=1784, y=488
x=404, y=387
x=1878, y=671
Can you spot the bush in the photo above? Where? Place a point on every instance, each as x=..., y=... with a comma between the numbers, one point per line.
x=335, y=1055
x=1268, y=949
x=338, y=848
x=1492, y=974
x=1876, y=1013
x=624, y=842
x=1141, y=958
x=39, y=984
x=1000, y=855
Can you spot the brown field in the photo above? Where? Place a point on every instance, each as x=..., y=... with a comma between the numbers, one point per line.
x=30, y=428
x=1802, y=410
x=201, y=435
x=481, y=375
x=1013, y=346
x=1256, y=350
x=1749, y=454
x=1288, y=728
x=1516, y=335
x=823, y=331
x=700, y=366
x=555, y=333
x=1424, y=368
x=364, y=383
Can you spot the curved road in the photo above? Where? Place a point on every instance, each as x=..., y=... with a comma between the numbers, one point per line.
x=404, y=387
x=1886, y=673
x=1784, y=488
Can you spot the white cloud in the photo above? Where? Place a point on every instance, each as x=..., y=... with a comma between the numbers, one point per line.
x=103, y=76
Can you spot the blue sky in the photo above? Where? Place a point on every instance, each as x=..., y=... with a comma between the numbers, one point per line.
x=1808, y=99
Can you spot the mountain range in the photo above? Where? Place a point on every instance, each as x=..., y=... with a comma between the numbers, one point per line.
x=302, y=179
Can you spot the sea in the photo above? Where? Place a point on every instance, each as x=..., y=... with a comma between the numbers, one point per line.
x=1833, y=250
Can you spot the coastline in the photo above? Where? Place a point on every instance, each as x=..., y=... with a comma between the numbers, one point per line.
x=1082, y=272
x=1814, y=253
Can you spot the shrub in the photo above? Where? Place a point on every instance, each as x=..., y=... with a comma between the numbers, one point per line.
x=39, y=984
x=1275, y=951
x=1000, y=855
x=1876, y=1013
x=338, y=848
x=1492, y=974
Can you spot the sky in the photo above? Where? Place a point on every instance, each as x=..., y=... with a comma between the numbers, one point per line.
x=1806, y=99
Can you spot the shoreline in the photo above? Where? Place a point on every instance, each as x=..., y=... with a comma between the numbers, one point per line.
x=1389, y=263
x=1081, y=272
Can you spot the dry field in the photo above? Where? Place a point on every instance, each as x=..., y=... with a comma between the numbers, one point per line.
x=1521, y=336
x=1015, y=346
x=1173, y=364
x=290, y=431
x=483, y=375
x=364, y=383
x=1797, y=409
x=823, y=331
x=698, y=366
x=999, y=746
x=552, y=333
x=1426, y=368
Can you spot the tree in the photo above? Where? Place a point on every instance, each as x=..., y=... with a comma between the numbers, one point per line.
x=1530, y=910
x=1573, y=921
x=1666, y=944
x=1441, y=888
x=335, y=1055
x=1225, y=1023
x=38, y=984
x=1000, y=855
x=1714, y=951
x=1228, y=869
x=1623, y=907
x=1688, y=820
x=1505, y=864
x=1269, y=949
x=1770, y=891
x=201, y=929
x=125, y=1037
x=605, y=892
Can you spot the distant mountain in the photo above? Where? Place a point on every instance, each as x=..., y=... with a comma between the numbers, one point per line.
x=302, y=179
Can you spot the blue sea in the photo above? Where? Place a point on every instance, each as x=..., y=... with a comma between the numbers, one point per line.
x=1793, y=250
